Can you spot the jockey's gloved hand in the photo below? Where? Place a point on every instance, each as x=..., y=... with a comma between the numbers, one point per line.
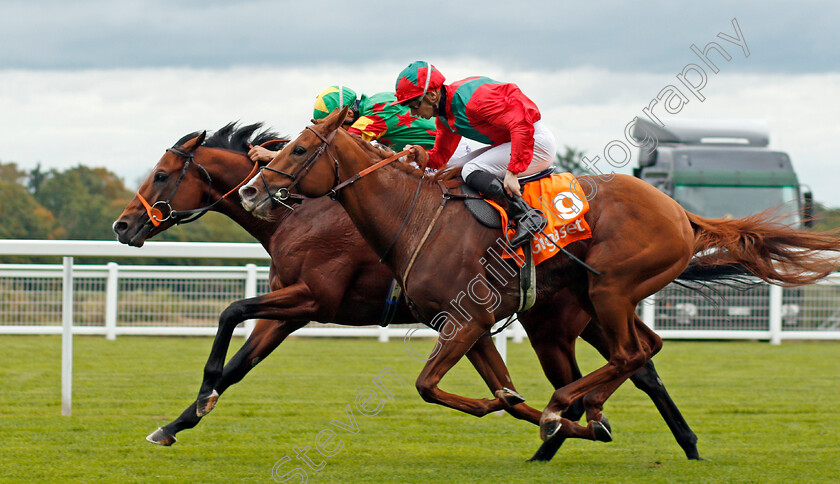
x=512, y=184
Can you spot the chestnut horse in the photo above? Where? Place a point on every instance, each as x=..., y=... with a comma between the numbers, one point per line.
x=641, y=241
x=353, y=295
x=311, y=277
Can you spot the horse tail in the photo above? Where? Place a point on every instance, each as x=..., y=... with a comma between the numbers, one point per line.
x=766, y=248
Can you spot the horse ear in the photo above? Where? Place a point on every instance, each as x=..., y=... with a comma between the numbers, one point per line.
x=200, y=139
x=335, y=119
x=194, y=143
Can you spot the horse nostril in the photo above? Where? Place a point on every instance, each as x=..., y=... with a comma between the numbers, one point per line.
x=247, y=193
x=120, y=227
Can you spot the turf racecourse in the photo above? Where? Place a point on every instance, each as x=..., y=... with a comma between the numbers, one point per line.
x=762, y=414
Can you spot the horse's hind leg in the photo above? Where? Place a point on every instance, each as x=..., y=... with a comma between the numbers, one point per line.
x=647, y=379
x=294, y=302
x=552, y=330
x=489, y=364
x=267, y=335
x=627, y=354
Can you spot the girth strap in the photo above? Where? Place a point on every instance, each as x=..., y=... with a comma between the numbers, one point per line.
x=432, y=224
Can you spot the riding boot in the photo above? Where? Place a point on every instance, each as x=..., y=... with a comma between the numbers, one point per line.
x=528, y=220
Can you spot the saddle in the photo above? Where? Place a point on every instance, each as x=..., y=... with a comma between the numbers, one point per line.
x=488, y=216
x=484, y=212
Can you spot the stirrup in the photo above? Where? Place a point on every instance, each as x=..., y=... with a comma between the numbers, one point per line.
x=528, y=224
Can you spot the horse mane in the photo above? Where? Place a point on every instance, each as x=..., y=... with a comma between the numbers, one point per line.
x=237, y=138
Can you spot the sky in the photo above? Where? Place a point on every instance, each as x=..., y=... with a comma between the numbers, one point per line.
x=115, y=83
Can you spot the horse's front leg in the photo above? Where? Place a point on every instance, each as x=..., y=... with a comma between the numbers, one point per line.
x=267, y=335
x=453, y=343
x=294, y=303
x=488, y=362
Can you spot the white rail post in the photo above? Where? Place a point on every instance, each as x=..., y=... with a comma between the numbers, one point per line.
x=775, y=314
x=518, y=332
x=67, y=339
x=111, y=300
x=250, y=291
x=649, y=311
x=501, y=343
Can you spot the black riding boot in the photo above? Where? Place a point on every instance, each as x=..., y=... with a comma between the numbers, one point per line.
x=529, y=221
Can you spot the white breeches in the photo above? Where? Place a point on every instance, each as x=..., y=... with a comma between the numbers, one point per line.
x=495, y=159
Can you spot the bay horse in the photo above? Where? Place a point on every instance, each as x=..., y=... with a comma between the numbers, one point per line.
x=356, y=289
x=641, y=241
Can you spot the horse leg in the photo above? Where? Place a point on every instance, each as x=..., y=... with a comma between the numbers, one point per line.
x=489, y=364
x=554, y=345
x=594, y=401
x=294, y=302
x=267, y=335
x=647, y=380
x=448, y=350
x=627, y=354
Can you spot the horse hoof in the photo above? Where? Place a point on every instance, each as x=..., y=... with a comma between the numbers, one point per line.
x=602, y=430
x=161, y=437
x=510, y=397
x=553, y=441
x=548, y=428
x=203, y=406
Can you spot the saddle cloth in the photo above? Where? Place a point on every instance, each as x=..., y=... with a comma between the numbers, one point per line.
x=564, y=204
x=487, y=214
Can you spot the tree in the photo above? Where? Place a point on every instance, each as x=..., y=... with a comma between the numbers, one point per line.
x=571, y=161
x=85, y=201
x=826, y=218
x=10, y=173
x=36, y=178
x=22, y=217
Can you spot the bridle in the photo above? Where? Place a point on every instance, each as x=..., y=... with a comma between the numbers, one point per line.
x=155, y=210
x=283, y=194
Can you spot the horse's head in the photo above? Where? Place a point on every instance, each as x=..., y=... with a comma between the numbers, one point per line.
x=306, y=166
x=188, y=176
x=176, y=181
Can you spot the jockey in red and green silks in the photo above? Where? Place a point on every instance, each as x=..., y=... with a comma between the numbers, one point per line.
x=490, y=112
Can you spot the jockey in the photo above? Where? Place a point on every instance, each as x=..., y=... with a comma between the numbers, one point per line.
x=373, y=118
x=490, y=112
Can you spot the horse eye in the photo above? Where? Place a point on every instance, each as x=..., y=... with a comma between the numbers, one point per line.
x=161, y=176
x=299, y=150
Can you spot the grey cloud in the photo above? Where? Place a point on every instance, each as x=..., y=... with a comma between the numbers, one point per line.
x=538, y=35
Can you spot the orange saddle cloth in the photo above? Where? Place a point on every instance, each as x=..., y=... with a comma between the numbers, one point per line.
x=564, y=204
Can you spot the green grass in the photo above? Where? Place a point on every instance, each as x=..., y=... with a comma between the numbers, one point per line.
x=762, y=414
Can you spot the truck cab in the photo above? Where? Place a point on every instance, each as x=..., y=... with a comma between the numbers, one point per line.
x=720, y=169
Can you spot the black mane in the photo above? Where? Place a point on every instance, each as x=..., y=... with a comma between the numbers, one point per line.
x=237, y=138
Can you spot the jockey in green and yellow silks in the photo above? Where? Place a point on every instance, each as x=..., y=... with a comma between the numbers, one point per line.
x=377, y=118
x=374, y=118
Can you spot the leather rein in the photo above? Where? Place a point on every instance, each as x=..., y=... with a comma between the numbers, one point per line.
x=154, y=210
x=283, y=193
